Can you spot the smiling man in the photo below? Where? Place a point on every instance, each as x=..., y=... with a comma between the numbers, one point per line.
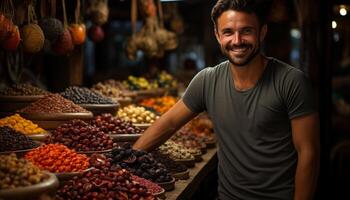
x=262, y=110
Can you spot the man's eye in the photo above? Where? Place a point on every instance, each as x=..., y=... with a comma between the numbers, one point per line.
x=247, y=31
x=227, y=33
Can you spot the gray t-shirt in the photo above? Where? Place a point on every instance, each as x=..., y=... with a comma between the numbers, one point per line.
x=257, y=158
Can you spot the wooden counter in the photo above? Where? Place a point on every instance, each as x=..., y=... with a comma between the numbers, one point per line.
x=184, y=189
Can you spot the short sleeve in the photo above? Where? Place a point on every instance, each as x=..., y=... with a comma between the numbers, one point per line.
x=298, y=94
x=194, y=94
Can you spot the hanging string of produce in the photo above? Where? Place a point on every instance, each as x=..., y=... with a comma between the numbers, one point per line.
x=153, y=39
x=97, y=11
x=77, y=29
x=51, y=26
x=32, y=35
x=64, y=43
x=9, y=32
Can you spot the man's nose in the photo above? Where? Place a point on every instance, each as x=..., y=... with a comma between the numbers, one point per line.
x=237, y=38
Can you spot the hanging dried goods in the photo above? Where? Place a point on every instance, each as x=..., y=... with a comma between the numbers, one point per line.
x=12, y=40
x=52, y=28
x=33, y=38
x=96, y=33
x=78, y=32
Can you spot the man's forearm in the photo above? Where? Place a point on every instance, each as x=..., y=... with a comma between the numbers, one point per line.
x=155, y=135
x=164, y=127
x=306, y=176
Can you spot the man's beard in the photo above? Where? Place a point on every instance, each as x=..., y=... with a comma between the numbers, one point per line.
x=244, y=62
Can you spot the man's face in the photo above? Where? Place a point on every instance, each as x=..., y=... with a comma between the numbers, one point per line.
x=239, y=36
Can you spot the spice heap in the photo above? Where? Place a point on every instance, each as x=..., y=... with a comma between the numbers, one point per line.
x=53, y=103
x=12, y=140
x=137, y=114
x=85, y=96
x=177, y=151
x=166, y=80
x=141, y=164
x=185, y=137
x=111, y=88
x=58, y=158
x=23, y=90
x=16, y=172
x=160, y=104
x=114, y=125
x=21, y=125
x=151, y=187
x=202, y=127
x=169, y=163
x=107, y=183
x=139, y=83
x=80, y=136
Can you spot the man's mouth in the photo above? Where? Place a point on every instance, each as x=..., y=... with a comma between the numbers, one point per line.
x=239, y=49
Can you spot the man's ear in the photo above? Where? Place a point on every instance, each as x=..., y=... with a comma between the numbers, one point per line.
x=217, y=34
x=263, y=32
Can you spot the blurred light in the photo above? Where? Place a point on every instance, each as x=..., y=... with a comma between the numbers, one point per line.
x=334, y=24
x=169, y=0
x=295, y=33
x=342, y=10
x=336, y=37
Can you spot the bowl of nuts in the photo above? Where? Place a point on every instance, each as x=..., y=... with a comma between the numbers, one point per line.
x=47, y=186
x=20, y=179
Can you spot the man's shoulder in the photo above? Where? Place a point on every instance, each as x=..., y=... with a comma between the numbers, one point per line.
x=283, y=70
x=216, y=70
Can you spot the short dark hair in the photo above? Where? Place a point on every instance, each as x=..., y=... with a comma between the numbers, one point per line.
x=261, y=8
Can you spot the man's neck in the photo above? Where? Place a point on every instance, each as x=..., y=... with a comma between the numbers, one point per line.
x=245, y=77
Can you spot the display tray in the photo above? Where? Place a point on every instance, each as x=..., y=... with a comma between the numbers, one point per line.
x=9, y=104
x=50, y=121
x=65, y=176
x=39, y=137
x=204, y=149
x=181, y=175
x=142, y=126
x=101, y=108
x=12, y=99
x=160, y=195
x=198, y=157
x=168, y=186
x=89, y=153
x=125, y=137
x=19, y=153
x=188, y=162
x=124, y=101
x=210, y=144
x=32, y=192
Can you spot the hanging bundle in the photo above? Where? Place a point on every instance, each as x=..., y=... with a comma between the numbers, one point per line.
x=32, y=35
x=78, y=30
x=152, y=39
x=96, y=33
x=51, y=26
x=9, y=33
x=64, y=43
x=98, y=11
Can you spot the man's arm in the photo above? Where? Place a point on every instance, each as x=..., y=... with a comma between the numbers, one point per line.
x=305, y=130
x=164, y=127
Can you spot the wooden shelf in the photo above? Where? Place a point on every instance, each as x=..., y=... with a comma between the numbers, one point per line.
x=184, y=189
